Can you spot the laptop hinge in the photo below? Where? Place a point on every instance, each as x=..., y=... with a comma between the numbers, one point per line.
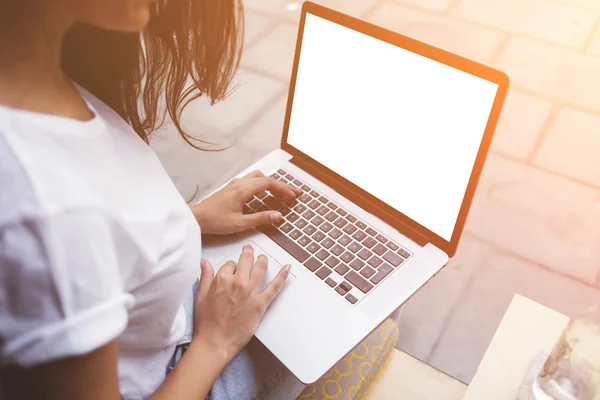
x=362, y=202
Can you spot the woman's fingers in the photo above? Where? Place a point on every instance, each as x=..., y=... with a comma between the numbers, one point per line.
x=257, y=275
x=275, y=286
x=245, y=264
x=248, y=221
x=254, y=174
x=206, y=277
x=253, y=186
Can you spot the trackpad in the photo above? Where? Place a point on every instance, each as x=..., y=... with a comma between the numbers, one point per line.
x=272, y=269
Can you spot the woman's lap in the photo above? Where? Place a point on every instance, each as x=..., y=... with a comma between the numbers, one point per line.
x=255, y=373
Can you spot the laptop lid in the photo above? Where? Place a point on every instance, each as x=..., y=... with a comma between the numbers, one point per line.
x=398, y=126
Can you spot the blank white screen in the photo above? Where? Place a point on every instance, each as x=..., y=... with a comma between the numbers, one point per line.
x=403, y=127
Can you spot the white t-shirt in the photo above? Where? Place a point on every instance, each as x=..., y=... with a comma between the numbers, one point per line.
x=96, y=243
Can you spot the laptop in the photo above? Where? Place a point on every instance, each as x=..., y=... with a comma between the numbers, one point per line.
x=387, y=136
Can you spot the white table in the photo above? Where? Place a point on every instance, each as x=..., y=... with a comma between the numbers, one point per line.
x=526, y=329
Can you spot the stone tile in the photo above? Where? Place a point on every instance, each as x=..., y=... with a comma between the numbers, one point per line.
x=425, y=314
x=572, y=146
x=290, y=9
x=443, y=31
x=249, y=92
x=274, y=53
x=265, y=134
x=562, y=74
x=539, y=216
x=255, y=25
x=520, y=124
x=434, y=5
x=543, y=19
x=475, y=320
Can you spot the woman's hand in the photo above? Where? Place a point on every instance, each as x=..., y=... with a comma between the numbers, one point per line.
x=221, y=213
x=229, y=306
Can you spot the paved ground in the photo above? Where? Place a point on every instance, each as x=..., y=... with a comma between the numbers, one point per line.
x=534, y=227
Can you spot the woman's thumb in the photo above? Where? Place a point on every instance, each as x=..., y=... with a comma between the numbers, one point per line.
x=206, y=277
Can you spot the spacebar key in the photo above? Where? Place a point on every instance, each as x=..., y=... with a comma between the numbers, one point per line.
x=288, y=245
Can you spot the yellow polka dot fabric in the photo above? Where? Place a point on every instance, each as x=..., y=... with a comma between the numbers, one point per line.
x=352, y=375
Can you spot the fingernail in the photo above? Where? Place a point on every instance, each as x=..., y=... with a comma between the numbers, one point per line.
x=202, y=263
x=287, y=268
x=275, y=216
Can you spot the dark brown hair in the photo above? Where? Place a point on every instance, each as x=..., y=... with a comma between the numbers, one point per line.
x=191, y=48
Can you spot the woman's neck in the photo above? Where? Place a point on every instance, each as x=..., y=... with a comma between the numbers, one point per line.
x=31, y=75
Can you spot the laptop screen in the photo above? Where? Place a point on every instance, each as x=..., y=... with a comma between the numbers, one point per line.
x=403, y=127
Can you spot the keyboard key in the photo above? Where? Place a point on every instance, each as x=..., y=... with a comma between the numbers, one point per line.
x=340, y=222
x=318, y=236
x=393, y=246
x=279, y=223
x=327, y=243
x=295, y=234
x=313, y=247
x=317, y=220
x=300, y=208
x=306, y=188
x=301, y=223
x=373, y=261
x=357, y=264
x=350, y=229
x=342, y=212
x=314, y=193
x=341, y=290
x=290, y=177
x=246, y=209
x=379, y=249
x=393, y=258
x=367, y=272
x=361, y=283
x=330, y=282
x=359, y=236
x=332, y=261
x=308, y=214
x=255, y=204
x=335, y=233
x=275, y=175
x=323, y=199
x=314, y=204
x=354, y=247
x=332, y=206
x=381, y=238
x=346, y=286
x=361, y=225
x=312, y=264
x=351, y=298
x=337, y=250
x=322, y=254
x=281, y=172
x=351, y=218
x=322, y=210
x=262, y=194
x=326, y=227
x=309, y=230
x=285, y=211
x=298, y=182
x=404, y=253
x=262, y=207
x=345, y=240
x=364, y=254
x=371, y=231
x=304, y=240
x=347, y=257
x=331, y=216
x=291, y=202
x=305, y=198
x=384, y=270
x=342, y=269
x=272, y=203
x=286, y=243
x=292, y=217
x=287, y=228
x=369, y=242
x=324, y=272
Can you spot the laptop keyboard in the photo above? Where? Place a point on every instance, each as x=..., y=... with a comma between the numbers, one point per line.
x=345, y=253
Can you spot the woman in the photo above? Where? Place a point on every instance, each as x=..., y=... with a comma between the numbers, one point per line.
x=98, y=251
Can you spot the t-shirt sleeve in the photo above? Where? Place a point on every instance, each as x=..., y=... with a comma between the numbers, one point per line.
x=61, y=286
